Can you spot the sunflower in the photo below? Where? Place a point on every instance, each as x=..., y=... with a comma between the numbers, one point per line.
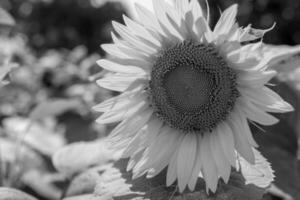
x=187, y=93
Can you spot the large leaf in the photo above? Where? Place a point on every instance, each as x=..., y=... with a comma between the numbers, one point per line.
x=115, y=183
x=41, y=137
x=79, y=156
x=13, y=194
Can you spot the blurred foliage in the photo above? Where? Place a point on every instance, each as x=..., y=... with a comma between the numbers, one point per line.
x=64, y=24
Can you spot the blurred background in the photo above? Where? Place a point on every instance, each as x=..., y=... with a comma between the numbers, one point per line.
x=55, y=44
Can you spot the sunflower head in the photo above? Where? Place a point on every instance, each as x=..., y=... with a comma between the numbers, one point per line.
x=187, y=93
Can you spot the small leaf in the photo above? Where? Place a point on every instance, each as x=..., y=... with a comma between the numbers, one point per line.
x=6, y=19
x=259, y=174
x=14, y=194
x=79, y=156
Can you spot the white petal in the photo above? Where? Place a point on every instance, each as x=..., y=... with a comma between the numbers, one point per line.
x=241, y=142
x=122, y=110
x=197, y=164
x=115, y=67
x=255, y=114
x=129, y=37
x=226, y=20
x=186, y=159
x=182, y=6
x=147, y=18
x=162, y=148
x=161, y=13
x=226, y=141
x=196, y=9
x=267, y=98
x=142, y=32
x=172, y=169
x=209, y=167
x=119, y=82
x=245, y=126
x=113, y=50
x=220, y=160
x=131, y=125
x=255, y=79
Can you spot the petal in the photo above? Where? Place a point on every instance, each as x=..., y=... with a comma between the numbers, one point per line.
x=209, y=167
x=115, y=67
x=241, y=142
x=256, y=78
x=142, y=32
x=147, y=18
x=197, y=165
x=129, y=37
x=255, y=114
x=186, y=159
x=226, y=21
x=118, y=82
x=220, y=160
x=123, y=110
x=226, y=141
x=130, y=126
x=267, y=98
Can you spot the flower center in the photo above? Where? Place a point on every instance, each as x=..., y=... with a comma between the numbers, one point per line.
x=192, y=88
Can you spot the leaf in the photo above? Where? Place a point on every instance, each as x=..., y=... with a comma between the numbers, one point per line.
x=85, y=182
x=39, y=136
x=79, y=156
x=14, y=194
x=259, y=174
x=51, y=108
x=42, y=183
x=115, y=183
x=6, y=19
x=28, y=158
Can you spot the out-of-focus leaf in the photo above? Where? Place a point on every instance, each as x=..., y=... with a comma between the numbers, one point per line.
x=83, y=197
x=42, y=183
x=13, y=194
x=6, y=19
x=79, y=156
x=39, y=136
x=52, y=108
x=28, y=158
x=259, y=174
x=85, y=182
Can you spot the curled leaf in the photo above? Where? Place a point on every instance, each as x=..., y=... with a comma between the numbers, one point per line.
x=260, y=173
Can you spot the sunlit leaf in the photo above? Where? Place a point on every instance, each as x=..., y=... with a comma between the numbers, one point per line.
x=79, y=156
x=42, y=183
x=39, y=136
x=6, y=19
x=259, y=174
x=52, y=108
x=14, y=194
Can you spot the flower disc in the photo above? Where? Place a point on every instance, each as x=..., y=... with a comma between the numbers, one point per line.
x=192, y=87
